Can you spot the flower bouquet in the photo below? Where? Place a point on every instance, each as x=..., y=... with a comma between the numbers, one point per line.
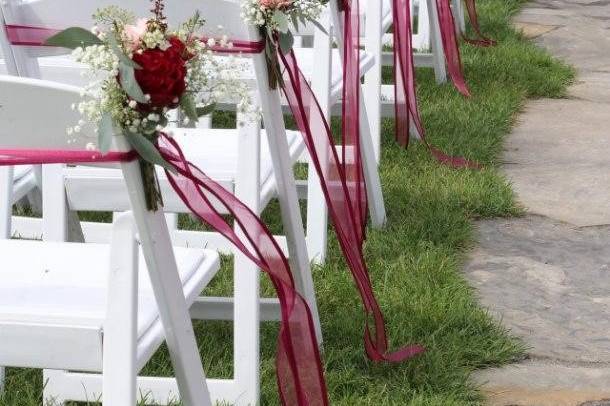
x=140, y=71
x=273, y=17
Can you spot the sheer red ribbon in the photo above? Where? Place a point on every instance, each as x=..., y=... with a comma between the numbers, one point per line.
x=450, y=45
x=482, y=40
x=351, y=157
x=406, y=107
x=299, y=369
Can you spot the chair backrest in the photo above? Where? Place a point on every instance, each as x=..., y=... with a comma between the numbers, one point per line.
x=60, y=14
x=35, y=114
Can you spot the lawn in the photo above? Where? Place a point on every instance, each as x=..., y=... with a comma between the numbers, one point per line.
x=415, y=261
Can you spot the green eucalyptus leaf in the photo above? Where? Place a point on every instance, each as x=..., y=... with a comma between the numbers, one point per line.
x=295, y=22
x=148, y=151
x=73, y=37
x=286, y=41
x=105, y=131
x=319, y=26
x=130, y=84
x=280, y=19
x=188, y=106
x=114, y=45
x=205, y=110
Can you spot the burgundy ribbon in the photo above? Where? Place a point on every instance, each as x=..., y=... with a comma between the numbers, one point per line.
x=299, y=368
x=406, y=106
x=351, y=148
x=450, y=46
x=342, y=177
x=482, y=40
x=25, y=35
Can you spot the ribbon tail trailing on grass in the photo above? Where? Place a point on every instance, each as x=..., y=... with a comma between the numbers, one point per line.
x=406, y=106
x=318, y=139
x=482, y=40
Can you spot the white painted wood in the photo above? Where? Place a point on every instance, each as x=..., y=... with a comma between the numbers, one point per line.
x=68, y=339
x=6, y=200
x=421, y=36
x=317, y=211
x=221, y=308
x=372, y=79
x=371, y=172
x=458, y=15
x=120, y=332
x=440, y=69
x=246, y=279
x=287, y=194
x=173, y=310
x=84, y=387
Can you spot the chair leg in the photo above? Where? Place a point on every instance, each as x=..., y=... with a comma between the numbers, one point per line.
x=458, y=13
x=120, y=326
x=246, y=275
x=421, y=40
x=2, y=379
x=6, y=205
x=246, y=331
x=317, y=218
x=35, y=196
x=436, y=42
x=287, y=192
x=317, y=212
x=371, y=170
x=52, y=388
x=372, y=79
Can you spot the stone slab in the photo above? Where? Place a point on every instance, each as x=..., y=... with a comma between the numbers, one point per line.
x=558, y=159
x=549, y=283
x=592, y=86
x=533, y=30
x=547, y=276
x=537, y=383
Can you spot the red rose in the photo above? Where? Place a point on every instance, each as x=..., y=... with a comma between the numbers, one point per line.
x=163, y=73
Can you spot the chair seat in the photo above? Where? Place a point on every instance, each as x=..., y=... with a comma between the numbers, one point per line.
x=213, y=150
x=59, y=297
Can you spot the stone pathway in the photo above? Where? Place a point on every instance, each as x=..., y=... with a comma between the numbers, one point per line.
x=547, y=275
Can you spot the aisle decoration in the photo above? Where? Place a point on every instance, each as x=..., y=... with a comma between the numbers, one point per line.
x=341, y=178
x=481, y=39
x=139, y=71
x=148, y=70
x=406, y=106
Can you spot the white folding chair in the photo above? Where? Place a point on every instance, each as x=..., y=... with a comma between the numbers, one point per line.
x=228, y=156
x=96, y=307
x=377, y=21
x=25, y=180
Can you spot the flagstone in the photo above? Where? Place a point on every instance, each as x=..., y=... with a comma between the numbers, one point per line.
x=546, y=275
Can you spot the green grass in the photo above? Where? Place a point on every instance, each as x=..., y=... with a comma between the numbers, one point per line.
x=415, y=261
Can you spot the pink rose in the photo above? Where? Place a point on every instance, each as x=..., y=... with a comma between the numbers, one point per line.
x=275, y=4
x=134, y=33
